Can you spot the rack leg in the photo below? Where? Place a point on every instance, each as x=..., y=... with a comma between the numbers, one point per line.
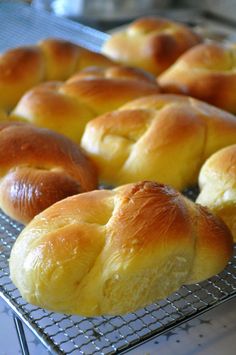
x=21, y=335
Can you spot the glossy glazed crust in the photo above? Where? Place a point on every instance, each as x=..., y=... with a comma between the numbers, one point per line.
x=150, y=43
x=39, y=167
x=206, y=72
x=67, y=107
x=112, y=252
x=165, y=138
x=217, y=181
x=51, y=59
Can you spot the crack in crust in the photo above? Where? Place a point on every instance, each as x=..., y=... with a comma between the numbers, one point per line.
x=114, y=251
x=165, y=138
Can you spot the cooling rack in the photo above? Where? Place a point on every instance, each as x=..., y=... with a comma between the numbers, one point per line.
x=62, y=334
x=22, y=25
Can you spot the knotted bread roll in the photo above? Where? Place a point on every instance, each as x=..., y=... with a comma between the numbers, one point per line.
x=165, y=138
x=112, y=252
x=67, y=107
x=217, y=181
x=39, y=167
x=206, y=72
x=51, y=59
x=150, y=43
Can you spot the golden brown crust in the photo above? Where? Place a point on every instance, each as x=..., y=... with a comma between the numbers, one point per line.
x=150, y=43
x=3, y=115
x=67, y=107
x=20, y=69
x=161, y=137
x=115, y=72
x=211, y=231
x=217, y=181
x=60, y=58
x=51, y=59
x=46, y=106
x=39, y=167
x=206, y=72
x=87, y=254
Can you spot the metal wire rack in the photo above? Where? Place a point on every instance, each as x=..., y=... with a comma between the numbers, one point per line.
x=62, y=334
x=22, y=25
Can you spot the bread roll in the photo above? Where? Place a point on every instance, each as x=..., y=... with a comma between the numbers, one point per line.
x=67, y=107
x=112, y=252
x=217, y=181
x=150, y=43
x=165, y=138
x=39, y=167
x=51, y=59
x=206, y=72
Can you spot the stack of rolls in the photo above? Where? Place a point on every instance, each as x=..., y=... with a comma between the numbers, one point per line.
x=113, y=251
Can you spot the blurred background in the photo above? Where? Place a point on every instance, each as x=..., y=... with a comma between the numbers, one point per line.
x=106, y=14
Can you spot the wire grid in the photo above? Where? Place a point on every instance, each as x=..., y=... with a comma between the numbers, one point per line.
x=21, y=24
x=108, y=335
x=63, y=334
